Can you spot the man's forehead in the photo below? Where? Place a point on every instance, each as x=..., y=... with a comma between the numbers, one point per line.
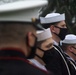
x=48, y=41
x=61, y=23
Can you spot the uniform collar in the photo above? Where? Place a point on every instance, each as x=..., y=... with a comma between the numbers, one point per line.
x=11, y=52
x=68, y=57
x=35, y=62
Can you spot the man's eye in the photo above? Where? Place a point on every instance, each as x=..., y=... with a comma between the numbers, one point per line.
x=49, y=45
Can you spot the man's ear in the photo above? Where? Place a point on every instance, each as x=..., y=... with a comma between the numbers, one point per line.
x=70, y=48
x=52, y=28
x=31, y=39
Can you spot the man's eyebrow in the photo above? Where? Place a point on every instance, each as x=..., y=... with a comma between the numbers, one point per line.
x=63, y=24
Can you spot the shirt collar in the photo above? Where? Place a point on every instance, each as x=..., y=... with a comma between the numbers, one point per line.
x=55, y=43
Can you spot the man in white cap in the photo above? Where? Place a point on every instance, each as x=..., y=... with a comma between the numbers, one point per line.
x=57, y=25
x=69, y=47
x=46, y=51
x=18, y=37
x=44, y=43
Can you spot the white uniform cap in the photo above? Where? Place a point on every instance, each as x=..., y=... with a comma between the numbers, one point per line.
x=43, y=35
x=70, y=39
x=21, y=10
x=52, y=17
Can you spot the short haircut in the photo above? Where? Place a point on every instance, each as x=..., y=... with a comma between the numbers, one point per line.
x=49, y=24
x=14, y=31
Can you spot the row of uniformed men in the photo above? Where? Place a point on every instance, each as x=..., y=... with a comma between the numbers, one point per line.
x=18, y=41
x=58, y=59
x=68, y=43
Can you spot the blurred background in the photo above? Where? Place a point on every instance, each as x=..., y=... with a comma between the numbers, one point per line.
x=61, y=6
